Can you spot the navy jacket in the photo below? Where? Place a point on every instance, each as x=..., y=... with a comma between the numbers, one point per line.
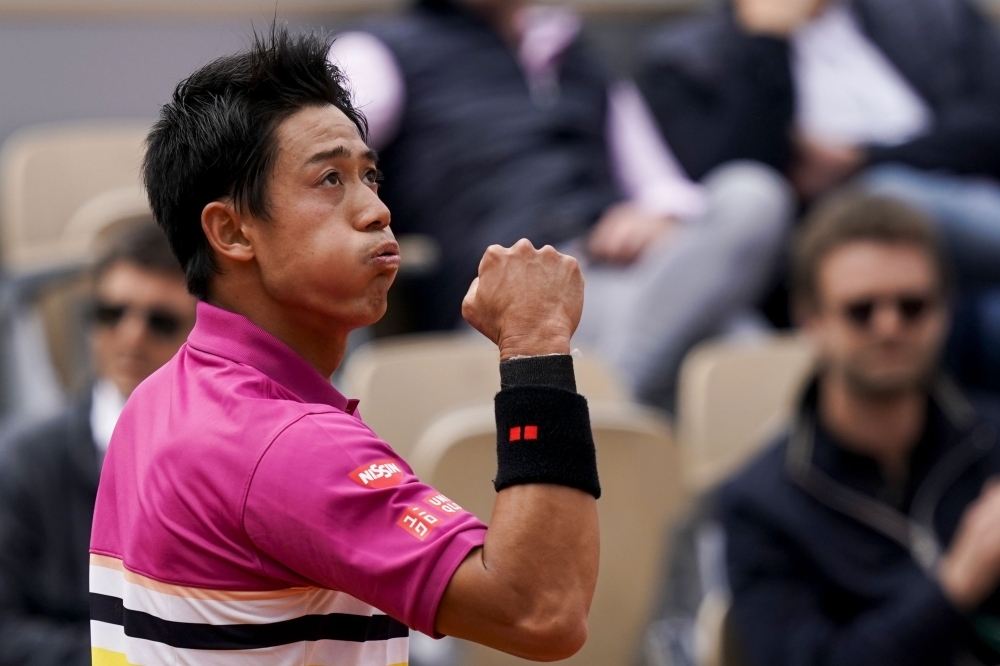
x=829, y=565
x=48, y=485
x=721, y=94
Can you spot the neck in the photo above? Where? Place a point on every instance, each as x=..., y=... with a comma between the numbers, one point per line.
x=884, y=428
x=312, y=336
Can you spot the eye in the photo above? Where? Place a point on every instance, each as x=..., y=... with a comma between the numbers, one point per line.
x=333, y=178
x=373, y=177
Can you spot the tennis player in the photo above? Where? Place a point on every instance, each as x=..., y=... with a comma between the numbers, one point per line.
x=246, y=514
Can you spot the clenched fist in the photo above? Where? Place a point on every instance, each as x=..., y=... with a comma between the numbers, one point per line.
x=525, y=300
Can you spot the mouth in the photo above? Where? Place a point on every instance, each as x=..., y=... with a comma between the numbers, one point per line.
x=386, y=255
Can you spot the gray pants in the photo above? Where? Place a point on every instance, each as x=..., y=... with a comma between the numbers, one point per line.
x=643, y=318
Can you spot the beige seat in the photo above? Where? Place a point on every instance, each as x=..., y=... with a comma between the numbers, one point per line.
x=48, y=173
x=641, y=494
x=733, y=398
x=406, y=382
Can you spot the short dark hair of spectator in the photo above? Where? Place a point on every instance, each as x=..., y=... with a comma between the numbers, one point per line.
x=139, y=242
x=216, y=137
x=851, y=217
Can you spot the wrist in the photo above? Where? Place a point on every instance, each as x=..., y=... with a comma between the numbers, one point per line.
x=534, y=344
x=552, y=370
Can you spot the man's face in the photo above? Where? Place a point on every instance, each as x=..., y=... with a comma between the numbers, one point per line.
x=141, y=318
x=327, y=248
x=881, y=319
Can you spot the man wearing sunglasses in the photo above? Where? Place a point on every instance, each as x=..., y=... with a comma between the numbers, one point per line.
x=870, y=534
x=140, y=315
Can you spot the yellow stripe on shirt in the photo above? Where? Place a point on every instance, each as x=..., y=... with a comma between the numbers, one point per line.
x=102, y=657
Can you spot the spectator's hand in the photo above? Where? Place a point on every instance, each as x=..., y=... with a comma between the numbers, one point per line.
x=525, y=300
x=778, y=18
x=818, y=167
x=625, y=232
x=970, y=570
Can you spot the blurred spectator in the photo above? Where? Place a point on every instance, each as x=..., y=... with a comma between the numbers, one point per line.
x=870, y=534
x=496, y=123
x=49, y=472
x=904, y=92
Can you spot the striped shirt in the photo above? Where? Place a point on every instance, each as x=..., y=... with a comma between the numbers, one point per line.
x=246, y=515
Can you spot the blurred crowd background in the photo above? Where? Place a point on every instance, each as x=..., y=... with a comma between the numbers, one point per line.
x=788, y=215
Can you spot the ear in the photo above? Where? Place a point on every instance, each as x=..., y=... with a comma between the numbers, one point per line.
x=224, y=228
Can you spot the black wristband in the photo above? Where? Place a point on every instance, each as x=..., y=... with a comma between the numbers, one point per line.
x=544, y=436
x=554, y=370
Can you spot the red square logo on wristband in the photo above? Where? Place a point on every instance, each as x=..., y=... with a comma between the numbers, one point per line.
x=528, y=432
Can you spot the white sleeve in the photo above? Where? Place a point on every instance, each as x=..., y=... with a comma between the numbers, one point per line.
x=646, y=169
x=376, y=83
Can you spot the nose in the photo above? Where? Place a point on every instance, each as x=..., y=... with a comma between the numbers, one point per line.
x=886, y=321
x=131, y=332
x=371, y=213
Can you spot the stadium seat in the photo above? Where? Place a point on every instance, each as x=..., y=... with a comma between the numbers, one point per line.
x=406, y=382
x=47, y=173
x=641, y=495
x=733, y=397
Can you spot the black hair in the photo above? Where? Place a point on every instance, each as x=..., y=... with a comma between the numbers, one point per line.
x=216, y=137
x=136, y=241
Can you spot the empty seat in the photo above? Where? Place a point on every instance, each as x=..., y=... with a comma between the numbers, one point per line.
x=733, y=398
x=47, y=173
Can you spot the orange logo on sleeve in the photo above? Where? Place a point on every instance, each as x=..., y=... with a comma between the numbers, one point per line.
x=379, y=474
x=418, y=522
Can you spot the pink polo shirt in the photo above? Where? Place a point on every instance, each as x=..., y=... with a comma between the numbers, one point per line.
x=246, y=514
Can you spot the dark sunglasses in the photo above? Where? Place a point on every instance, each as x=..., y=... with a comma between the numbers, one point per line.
x=910, y=307
x=160, y=322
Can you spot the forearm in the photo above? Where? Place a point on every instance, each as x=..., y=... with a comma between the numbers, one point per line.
x=534, y=577
x=743, y=109
x=528, y=590
x=963, y=140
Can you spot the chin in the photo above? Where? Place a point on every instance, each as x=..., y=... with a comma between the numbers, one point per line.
x=889, y=383
x=373, y=311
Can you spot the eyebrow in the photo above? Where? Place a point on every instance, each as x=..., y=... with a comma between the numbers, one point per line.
x=341, y=152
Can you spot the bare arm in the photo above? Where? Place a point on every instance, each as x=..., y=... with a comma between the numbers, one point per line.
x=528, y=590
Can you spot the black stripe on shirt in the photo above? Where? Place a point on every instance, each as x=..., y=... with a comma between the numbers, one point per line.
x=192, y=636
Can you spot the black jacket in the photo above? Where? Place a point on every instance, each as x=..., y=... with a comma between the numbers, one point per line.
x=479, y=158
x=720, y=94
x=829, y=565
x=48, y=484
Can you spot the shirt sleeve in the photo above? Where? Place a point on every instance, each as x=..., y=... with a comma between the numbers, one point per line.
x=337, y=506
x=376, y=83
x=646, y=170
